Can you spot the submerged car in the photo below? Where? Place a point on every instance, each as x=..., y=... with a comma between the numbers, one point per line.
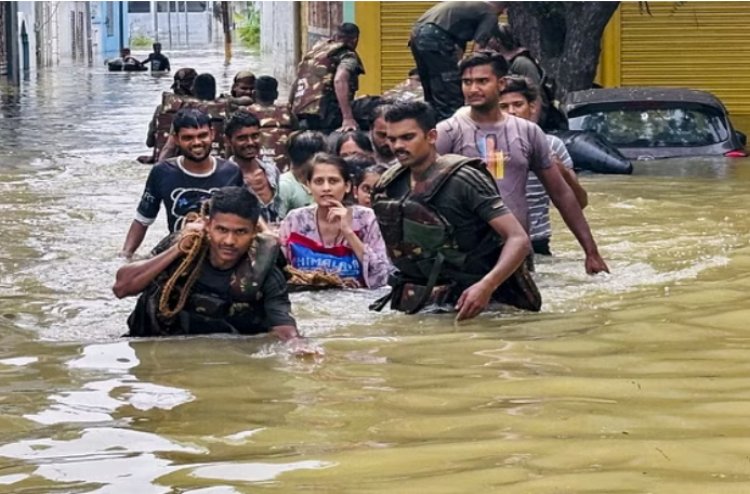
x=652, y=123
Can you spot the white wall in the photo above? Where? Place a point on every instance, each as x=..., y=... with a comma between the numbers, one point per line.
x=278, y=32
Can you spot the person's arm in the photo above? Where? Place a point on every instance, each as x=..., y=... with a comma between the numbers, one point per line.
x=570, y=178
x=278, y=308
x=486, y=30
x=169, y=150
x=133, y=278
x=564, y=199
x=341, y=87
x=146, y=213
x=515, y=249
x=134, y=239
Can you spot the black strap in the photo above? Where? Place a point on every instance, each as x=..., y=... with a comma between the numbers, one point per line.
x=437, y=267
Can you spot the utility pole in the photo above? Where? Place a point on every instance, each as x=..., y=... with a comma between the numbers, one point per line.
x=155, y=10
x=169, y=22
x=225, y=16
x=187, y=28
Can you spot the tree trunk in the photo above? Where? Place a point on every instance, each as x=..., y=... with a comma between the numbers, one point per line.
x=564, y=36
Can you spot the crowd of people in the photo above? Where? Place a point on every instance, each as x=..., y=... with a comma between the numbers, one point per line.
x=439, y=188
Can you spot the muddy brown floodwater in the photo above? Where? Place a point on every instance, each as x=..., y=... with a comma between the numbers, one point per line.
x=629, y=383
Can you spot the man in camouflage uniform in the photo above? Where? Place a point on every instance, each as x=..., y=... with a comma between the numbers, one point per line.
x=409, y=90
x=327, y=80
x=157, y=133
x=276, y=123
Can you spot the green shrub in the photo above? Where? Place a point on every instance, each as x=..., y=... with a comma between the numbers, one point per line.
x=140, y=40
x=248, y=28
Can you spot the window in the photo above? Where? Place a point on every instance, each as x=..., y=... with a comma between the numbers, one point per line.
x=178, y=6
x=653, y=126
x=139, y=7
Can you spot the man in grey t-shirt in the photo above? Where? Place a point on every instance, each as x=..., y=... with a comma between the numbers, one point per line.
x=511, y=147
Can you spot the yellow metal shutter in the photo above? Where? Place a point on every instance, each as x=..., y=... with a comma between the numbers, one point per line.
x=396, y=21
x=700, y=45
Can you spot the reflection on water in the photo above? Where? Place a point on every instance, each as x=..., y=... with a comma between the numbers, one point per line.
x=632, y=382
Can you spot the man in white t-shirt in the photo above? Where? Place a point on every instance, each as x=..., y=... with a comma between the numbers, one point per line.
x=519, y=98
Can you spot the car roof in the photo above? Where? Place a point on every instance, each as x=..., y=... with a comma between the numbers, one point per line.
x=578, y=99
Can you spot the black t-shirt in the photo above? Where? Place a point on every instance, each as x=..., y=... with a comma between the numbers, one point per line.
x=158, y=61
x=272, y=309
x=469, y=200
x=182, y=192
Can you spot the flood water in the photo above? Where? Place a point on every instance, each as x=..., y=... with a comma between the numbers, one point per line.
x=629, y=383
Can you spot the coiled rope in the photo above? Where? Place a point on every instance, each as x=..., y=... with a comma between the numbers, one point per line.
x=195, y=254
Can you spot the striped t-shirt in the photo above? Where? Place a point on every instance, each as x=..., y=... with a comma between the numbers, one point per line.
x=537, y=198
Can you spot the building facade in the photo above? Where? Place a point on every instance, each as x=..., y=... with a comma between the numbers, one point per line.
x=109, y=24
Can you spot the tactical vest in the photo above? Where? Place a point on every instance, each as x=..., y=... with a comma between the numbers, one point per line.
x=276, y=123
x=204, y=313
x=171, y=104
x=423, y=247
x=315, y=78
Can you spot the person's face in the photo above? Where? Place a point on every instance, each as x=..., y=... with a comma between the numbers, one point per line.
x=327, y=185
x=157, y=48
x=243, y=88
x=364, y=189
x=517, y=105
x=350, y=148
x=195, y=144
x=379, y=138
x=410, y=144
x=245, y=142
x=229, y=238
x=481, y=87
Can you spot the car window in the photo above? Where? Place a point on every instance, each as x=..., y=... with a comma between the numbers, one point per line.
x=654, y=127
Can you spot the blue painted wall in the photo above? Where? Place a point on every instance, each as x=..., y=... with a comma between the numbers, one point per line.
x=111, y=20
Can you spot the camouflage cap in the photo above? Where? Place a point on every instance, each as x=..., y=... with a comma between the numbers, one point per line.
x=244, y=74
x=185, y=74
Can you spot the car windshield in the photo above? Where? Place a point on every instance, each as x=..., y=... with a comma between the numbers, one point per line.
x=653, y=127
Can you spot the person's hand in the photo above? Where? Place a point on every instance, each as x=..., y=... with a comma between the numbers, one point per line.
x=189, y=232
x=338, y=213
x=128, y=256
x=595, y=264
x=473, y=300
x=302, y=347
x=348, y=124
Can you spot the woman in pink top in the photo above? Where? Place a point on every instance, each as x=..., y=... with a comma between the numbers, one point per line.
x=328, y=235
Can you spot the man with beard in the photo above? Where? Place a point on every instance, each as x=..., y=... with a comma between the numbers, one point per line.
x=184, y=182
x=511, y=147
x=243, y=137
x=445, y=226
x=378, y=136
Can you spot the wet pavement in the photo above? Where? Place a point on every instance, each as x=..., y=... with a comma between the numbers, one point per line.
x=632, y=382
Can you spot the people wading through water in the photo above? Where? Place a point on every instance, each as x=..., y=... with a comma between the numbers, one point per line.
x=519, y=98
x=239, y=287
x=242, y=132
x=454, y=243
x=182, y=183
x=512, y=148
x=331, y=235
